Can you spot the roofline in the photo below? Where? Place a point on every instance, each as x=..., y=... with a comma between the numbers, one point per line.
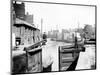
x=54, y=3
x=19, y=21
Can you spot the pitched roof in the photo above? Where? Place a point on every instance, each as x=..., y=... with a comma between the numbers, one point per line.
x=19, y=21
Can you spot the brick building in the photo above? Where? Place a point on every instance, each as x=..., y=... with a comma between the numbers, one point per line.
x=19, y=10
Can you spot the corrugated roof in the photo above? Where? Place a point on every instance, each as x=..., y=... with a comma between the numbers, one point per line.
x=19, y=21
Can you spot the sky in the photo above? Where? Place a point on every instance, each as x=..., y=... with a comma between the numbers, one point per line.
x=57, y=16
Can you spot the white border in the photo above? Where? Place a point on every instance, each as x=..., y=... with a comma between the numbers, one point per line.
x=5, y=37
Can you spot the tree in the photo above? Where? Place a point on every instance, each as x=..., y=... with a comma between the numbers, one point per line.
x=89, y=31
x=88, y=28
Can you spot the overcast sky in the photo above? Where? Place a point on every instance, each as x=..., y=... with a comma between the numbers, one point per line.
x=57, y=16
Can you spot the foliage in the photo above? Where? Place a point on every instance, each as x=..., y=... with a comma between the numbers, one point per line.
x=89, y=31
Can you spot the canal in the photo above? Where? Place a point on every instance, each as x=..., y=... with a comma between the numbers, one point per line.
x=50, y=55
x=87, y=58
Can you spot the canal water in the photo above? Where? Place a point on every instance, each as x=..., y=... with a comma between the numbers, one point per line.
x=87, y=58
x=50, y=55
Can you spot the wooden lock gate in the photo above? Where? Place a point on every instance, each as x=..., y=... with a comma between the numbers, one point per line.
x=68, y=57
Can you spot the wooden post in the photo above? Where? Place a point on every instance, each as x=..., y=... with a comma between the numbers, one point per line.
x=41, y=25
x=26, y=60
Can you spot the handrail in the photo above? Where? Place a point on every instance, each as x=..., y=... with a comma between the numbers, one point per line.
x=34, y=45
x=32, y=48
x=29, y=49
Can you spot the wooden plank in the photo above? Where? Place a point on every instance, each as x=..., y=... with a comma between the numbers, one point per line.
x=71, y=50
x=66, y=60
x=35, y=49
x=66, y=55
x=19, y=64
x=18, y=53
x=34, y=69
x=35, y=65
x=65, y=64
x=34, y=45
x=64, y=68
x=68, y=47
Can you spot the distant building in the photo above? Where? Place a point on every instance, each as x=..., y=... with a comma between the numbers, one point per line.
x=19, y=10
x=49, y=34
x=64, y=34
x=29, y=18
x=55, y=33
x=59, y=36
